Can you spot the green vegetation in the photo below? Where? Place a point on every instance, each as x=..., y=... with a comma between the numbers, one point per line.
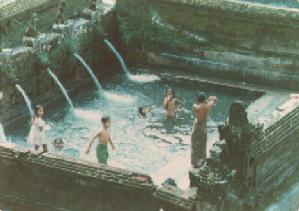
x=62, y=60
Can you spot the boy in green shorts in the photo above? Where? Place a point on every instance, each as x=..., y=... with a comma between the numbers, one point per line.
x=103, y=138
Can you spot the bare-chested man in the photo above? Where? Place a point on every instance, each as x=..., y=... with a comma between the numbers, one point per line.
x=171, y=103
x=201, y=110
x=103, y=138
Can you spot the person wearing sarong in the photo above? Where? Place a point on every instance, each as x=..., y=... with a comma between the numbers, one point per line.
x=201, y=110
x=103, y=138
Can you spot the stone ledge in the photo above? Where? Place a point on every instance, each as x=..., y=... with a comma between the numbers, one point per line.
x=185, y=200
x=102, y=173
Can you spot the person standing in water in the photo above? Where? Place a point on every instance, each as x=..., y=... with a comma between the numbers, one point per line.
x=103, y=138
x=201, y=110
x=171, y=103
x=37, y=135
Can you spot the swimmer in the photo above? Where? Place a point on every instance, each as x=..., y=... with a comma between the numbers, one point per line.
x=58, y=143
x=143, y=111
x=171, y=103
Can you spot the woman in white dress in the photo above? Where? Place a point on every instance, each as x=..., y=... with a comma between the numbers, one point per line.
x=37, y=135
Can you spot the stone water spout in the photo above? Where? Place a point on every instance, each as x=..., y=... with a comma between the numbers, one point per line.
x=135, y=78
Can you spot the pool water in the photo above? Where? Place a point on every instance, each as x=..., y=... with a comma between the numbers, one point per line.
x=155, y=145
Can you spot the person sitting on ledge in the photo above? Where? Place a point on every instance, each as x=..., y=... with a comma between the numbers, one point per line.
x=37, y=135
x=103, y=137
x=171, y=103
x=201, y=110
x=58, y=143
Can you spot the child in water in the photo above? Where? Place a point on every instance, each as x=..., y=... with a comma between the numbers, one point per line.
x=37, y=135
x=143, y=111
x=58, y=143
x=171, y=103
x=103, y=138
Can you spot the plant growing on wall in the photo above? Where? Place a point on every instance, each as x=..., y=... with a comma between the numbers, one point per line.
x=62, y=59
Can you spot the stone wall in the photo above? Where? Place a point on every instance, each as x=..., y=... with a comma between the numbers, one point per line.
x=50, y=182
x=28, y=66
x=15, y=17
x=245, y=42
x=275, y=154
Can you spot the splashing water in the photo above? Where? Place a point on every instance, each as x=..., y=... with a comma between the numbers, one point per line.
x=112, y=96
x=90, y=115
x=127, y=99
x=94, y=78
x=2, y=134
x=63, y=90
x=136, y=78
x=26, y=98
x=144, y=78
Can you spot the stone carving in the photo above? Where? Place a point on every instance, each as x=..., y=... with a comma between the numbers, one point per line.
x=92, y=5
x=238, y=133
x=229, y=157
x=60, y=12
x=31, y=32
x=91, y=13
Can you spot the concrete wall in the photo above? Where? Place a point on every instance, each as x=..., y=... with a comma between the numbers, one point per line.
x=259, y=43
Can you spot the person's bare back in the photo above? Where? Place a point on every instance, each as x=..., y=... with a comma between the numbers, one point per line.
x=201, y=110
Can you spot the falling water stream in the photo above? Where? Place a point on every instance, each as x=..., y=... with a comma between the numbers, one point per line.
x=2, y=134
x=136, y=78
x=63, y=90
x=26, y=98
x=94, y=78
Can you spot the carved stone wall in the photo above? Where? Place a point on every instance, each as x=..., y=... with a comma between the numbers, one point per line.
x=227, y=39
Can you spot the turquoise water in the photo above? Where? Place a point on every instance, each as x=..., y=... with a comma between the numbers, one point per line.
x=153, y=145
